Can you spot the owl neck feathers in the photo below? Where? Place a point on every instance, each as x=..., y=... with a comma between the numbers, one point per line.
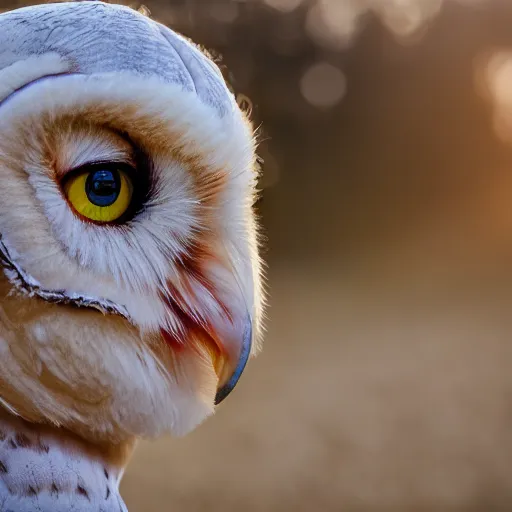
x=50, y=469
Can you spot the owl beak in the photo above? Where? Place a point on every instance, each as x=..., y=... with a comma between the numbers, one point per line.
x=237, y=355
x=227, y=338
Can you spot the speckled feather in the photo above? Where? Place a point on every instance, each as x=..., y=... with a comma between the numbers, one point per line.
x=39, y=475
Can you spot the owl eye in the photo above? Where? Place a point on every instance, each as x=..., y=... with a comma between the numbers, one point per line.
x=101, y=193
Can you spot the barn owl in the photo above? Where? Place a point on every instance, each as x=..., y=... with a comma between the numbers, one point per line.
x=130, y=291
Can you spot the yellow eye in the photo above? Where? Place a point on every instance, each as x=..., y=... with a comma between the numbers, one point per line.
x=102, y=195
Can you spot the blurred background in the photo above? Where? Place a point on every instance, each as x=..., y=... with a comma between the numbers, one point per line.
x=385, y=383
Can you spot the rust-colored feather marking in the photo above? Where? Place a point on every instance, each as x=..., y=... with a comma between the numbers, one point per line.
x=194, y=326
x=191, y=266
x=210, y=185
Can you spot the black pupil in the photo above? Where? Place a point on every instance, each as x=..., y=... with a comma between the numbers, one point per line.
x=103, y=186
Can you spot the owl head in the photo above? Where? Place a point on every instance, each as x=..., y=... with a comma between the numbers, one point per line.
x=130, y=296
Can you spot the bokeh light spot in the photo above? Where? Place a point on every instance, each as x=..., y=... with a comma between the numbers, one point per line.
x=323, y=85
x=334, y=25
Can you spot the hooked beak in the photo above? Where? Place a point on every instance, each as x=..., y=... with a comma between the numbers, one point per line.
x=227, y=340
x=236, y=364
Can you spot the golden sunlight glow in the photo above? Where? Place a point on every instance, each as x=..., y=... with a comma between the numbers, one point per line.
x=494, y=78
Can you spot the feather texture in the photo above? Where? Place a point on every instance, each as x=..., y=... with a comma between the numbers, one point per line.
x=179, y=280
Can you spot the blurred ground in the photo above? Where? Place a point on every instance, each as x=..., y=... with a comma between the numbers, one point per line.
x=360, y=402
x=385, y=383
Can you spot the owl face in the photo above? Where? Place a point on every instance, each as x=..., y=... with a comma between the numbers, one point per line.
x=130, y=298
